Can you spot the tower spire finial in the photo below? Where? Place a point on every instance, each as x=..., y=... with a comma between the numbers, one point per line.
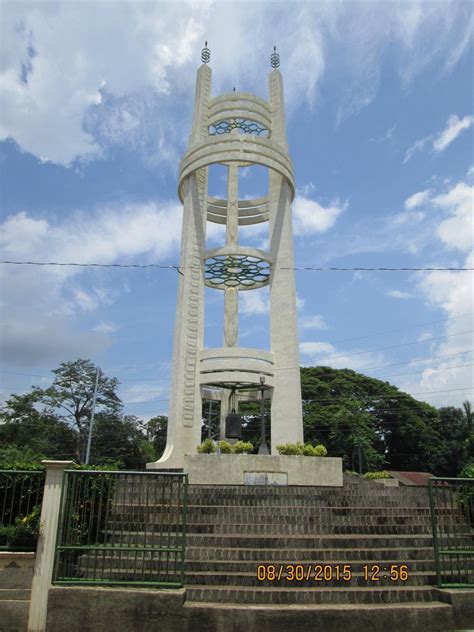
x=205, y=54
x=275, y=58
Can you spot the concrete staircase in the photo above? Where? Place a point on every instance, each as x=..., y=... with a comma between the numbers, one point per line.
x=234, y=530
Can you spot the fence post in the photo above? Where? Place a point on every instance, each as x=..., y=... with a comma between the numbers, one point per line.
x=45, y=551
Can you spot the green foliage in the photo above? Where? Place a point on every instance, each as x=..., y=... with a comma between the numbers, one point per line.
x=88, y=505
x=24, y=535
x=72, y=392
x=25, y=426
x=7, y=532
x=291, y=449
x=467, y=471
x=382, y=474
x=311, y=450
x=225, y=447
x=13, y=458
x=352, y=415
x=206, y=447
x=120, y=439
x=242, y=447
x=156, y=430
x=351, y=472
x=298, y=449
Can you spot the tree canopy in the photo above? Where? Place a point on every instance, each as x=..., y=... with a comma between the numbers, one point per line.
x=371, y=424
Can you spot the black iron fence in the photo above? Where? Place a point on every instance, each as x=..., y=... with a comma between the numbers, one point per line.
x=452, y=516
x=21, y=494
x=122, y=528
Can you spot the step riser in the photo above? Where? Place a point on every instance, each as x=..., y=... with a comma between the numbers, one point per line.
x=277, y=517
x=247, y=581
x=285, y=529
x=264, y=541
x=309, y=596
x=88, y=563
x=296, y=555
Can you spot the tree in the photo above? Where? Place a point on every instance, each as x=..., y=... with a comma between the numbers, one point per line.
x=156, y=430
x=454, y=428
x=120, y=440
x=28, y=428
x=71, y=395
x=393, y=426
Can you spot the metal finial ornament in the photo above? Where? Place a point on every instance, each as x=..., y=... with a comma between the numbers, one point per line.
x=205, y=54
x=275, y=58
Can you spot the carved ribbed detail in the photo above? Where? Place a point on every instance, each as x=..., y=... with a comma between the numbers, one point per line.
x=194, y=298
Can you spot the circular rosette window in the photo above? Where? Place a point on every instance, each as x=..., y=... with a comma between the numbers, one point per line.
x=241, y=272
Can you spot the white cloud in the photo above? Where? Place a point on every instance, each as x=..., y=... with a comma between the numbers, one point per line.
x=300, y=301
x=418, y=145
x=326, y=354
x=385, y=136
x=399, y=294
x=457, y=230
x=452, y=292
x=254, y=302
x=71, y=85
x=310, y=217
x=106, y=327
x=151, y=231
x=454, y=127
x=316, y=348
x=312, y=322
x=442, y=139
x=417, y=199
x=144, y=392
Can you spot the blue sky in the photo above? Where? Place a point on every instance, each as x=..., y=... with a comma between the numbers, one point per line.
x=95, y=115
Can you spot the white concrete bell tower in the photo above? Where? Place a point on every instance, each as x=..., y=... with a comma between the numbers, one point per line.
x=236, y=130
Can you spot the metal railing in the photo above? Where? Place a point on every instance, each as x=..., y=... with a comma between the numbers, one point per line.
x=21, y=492
x=122, y=528
x=452, y=517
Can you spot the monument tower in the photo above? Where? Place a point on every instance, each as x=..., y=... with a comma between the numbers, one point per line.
x=235, y=130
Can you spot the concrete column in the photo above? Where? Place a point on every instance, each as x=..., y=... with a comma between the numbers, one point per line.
x=185, y=409
x=286, y=409
x=45, y=551
x=231, y=295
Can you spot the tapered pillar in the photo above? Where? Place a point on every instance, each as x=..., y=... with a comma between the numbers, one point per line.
x=286, y=407
x=185, y=410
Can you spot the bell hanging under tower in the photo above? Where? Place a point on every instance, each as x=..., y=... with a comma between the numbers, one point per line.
x=235, y=130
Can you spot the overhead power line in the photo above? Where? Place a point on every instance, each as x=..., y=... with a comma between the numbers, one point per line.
x=179, y=268
x=391, y=331
x=404, y=344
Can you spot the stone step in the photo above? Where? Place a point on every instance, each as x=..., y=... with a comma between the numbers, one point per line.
x=303, y=595
x=155, y=562
x=414, y=616
x=279, y=529
x=308, y=541
x=14, y=594
x=211, y=579
x=215, y=578
x=247, y=566
x=280, y=517
x=266, y=540
x=277, y=513
x=406, y=553
x=319, y=493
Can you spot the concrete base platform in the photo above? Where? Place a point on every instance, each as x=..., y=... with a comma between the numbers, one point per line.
x=134, y=610
x=254, y=469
